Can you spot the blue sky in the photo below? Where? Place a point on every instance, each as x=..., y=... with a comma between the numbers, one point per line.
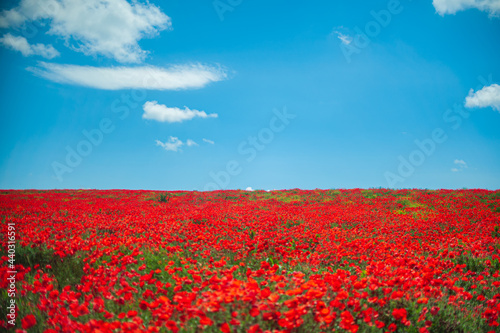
x=205, y=95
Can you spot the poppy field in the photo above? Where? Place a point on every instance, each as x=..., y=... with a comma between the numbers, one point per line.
x=355, y=260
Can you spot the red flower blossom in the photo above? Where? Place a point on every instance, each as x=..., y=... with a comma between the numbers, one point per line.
x=399, y=314
x=225, y=328
x=28, y=321
x=434, y=310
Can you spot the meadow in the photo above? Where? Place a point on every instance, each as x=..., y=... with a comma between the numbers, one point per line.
x=355, y=260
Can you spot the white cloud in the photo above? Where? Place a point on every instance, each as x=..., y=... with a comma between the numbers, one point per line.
x=94, y=27
x=174, y=144
x=461, y=165
x=208, y=141
x=160, y=112
x=21, y=44
x=487, y=96
x=492, y=7
x=143, y=77
x=190, y=143
x=249, y=189
x=342, y=34
x=345, y=39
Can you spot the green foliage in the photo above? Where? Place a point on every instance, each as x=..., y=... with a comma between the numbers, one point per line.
x=408, y=203
x=370, y=194
x=290, y=223
x=496, y=232
x=453, y=319
x=163, y=197
x=67, y=270
x=478, y=265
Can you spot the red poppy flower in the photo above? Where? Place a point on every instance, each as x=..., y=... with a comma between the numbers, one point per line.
x=28, y=321
x=225, y=328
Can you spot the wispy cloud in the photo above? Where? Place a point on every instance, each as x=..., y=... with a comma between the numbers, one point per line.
x=344, y=38
x=208, y=141
x=488, y=96
x=21, y=44
x=342, y=34
x=94, y=27
x=492, y=7
x=190, y=143
x=174, y=144
x=163, y=113
x=144, y=77
x=460, y=165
